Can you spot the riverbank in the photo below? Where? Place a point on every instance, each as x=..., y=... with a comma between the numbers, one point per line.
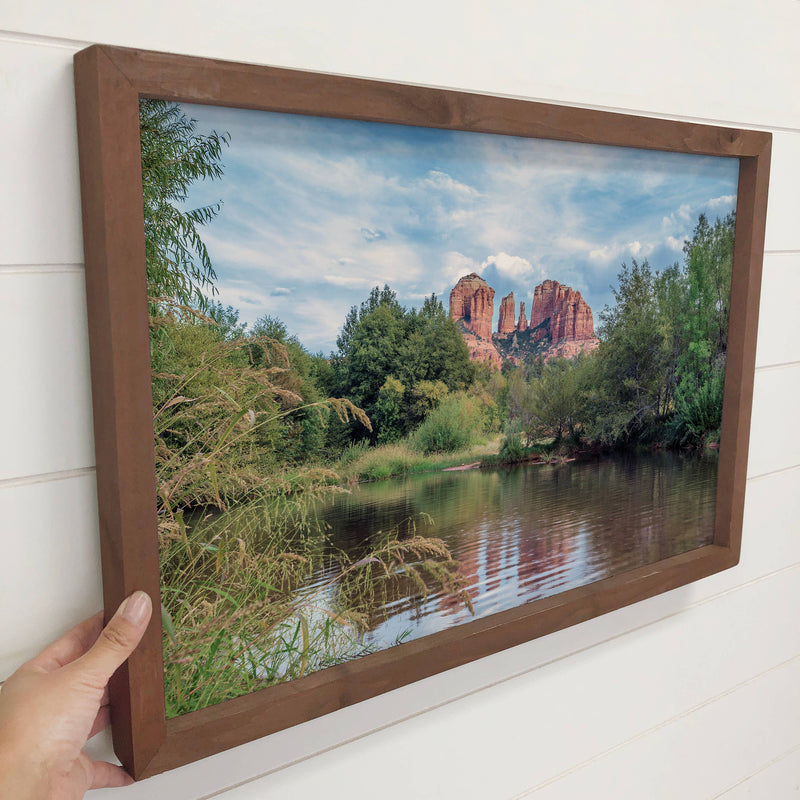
x=366, y=464
x=392, y=460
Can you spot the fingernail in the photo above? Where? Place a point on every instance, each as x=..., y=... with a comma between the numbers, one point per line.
x=136, y=607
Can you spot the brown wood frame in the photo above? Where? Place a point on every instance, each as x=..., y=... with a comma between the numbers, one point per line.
x=109, y=81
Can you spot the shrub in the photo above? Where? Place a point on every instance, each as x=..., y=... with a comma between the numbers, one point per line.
x=512, y=448
x=377, y=463
x=454, y=425
x=699, y=409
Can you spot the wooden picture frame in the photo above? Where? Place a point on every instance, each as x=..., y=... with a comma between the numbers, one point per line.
x=109, y=83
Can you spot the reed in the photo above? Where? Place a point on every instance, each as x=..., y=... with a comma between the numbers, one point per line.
x=240, y=612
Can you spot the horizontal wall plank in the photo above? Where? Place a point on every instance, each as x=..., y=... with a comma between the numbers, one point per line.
x=782, y=231
x=51, y=564
x=529, y=730
x=778, y=320
x=774, y=433
x=777, y=780
x=40, y=209
x=577, y=51
x=697, y=756
x=47, y=411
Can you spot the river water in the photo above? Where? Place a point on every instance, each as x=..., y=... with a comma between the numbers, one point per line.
x=526, y=532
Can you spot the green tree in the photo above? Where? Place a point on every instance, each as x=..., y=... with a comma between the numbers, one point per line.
x=174, y=156
x=295, y=371
x=704, y=320
x=422, y=349
x=434, y=349
x=558, y=402
x=552, y=404
x=632, y=356
x=670, y=297
x=454, y=425
x=388, y=409
x=227, y=321
x=703, y=324
x=425, y=396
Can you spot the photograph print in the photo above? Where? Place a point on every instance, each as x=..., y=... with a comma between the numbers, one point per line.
x=406, y=378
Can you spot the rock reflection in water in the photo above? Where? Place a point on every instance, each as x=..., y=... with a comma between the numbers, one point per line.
x=527, y=532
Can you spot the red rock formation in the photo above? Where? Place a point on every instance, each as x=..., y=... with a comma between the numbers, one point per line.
x=522, y=325
x=561, y=323
x=570, y=318
x=507, y=311
x=472, y=300
x=482, y=350
x=571, y=349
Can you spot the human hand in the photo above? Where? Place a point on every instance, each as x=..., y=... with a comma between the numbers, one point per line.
x=58, y=700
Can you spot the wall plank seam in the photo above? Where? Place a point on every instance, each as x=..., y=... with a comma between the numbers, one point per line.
x=20, y=37
x=45, y=477
x=39, y=269
x=763, y=475
x=763, y=768
x=773, y=368
x=654, y=728
x=59, y=475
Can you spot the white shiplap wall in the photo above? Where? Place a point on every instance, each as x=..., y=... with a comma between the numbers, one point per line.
x=692, y=694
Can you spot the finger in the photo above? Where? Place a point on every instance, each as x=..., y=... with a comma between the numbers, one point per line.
x=101, y=721
x=118, y=639
x=73, y=644
x=105, y=775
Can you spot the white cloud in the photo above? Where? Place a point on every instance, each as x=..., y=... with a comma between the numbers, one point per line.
x=319, y=325
x=617, y=251
x=441, y=181
x=727, y=201
x=280, y=290
x=247, y=255
x=246, y=298
x=574, y=243
x=350, y=281
x=514, y=267
x=457, y=265
x=687, y=214
x=675, y=243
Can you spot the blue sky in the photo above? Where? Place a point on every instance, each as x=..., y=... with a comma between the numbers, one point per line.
x=318, y=211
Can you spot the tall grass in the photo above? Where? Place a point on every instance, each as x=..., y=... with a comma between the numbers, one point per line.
x=238, y=609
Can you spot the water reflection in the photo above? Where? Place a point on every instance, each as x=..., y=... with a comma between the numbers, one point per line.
x=531, y=531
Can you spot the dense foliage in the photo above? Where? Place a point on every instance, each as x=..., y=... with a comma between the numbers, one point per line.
x=173, y=158
x=399, y=364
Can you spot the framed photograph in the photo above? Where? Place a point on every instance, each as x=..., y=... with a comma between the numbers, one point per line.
x=388, y=378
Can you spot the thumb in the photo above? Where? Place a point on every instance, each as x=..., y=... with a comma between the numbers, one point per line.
x=119, y=638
